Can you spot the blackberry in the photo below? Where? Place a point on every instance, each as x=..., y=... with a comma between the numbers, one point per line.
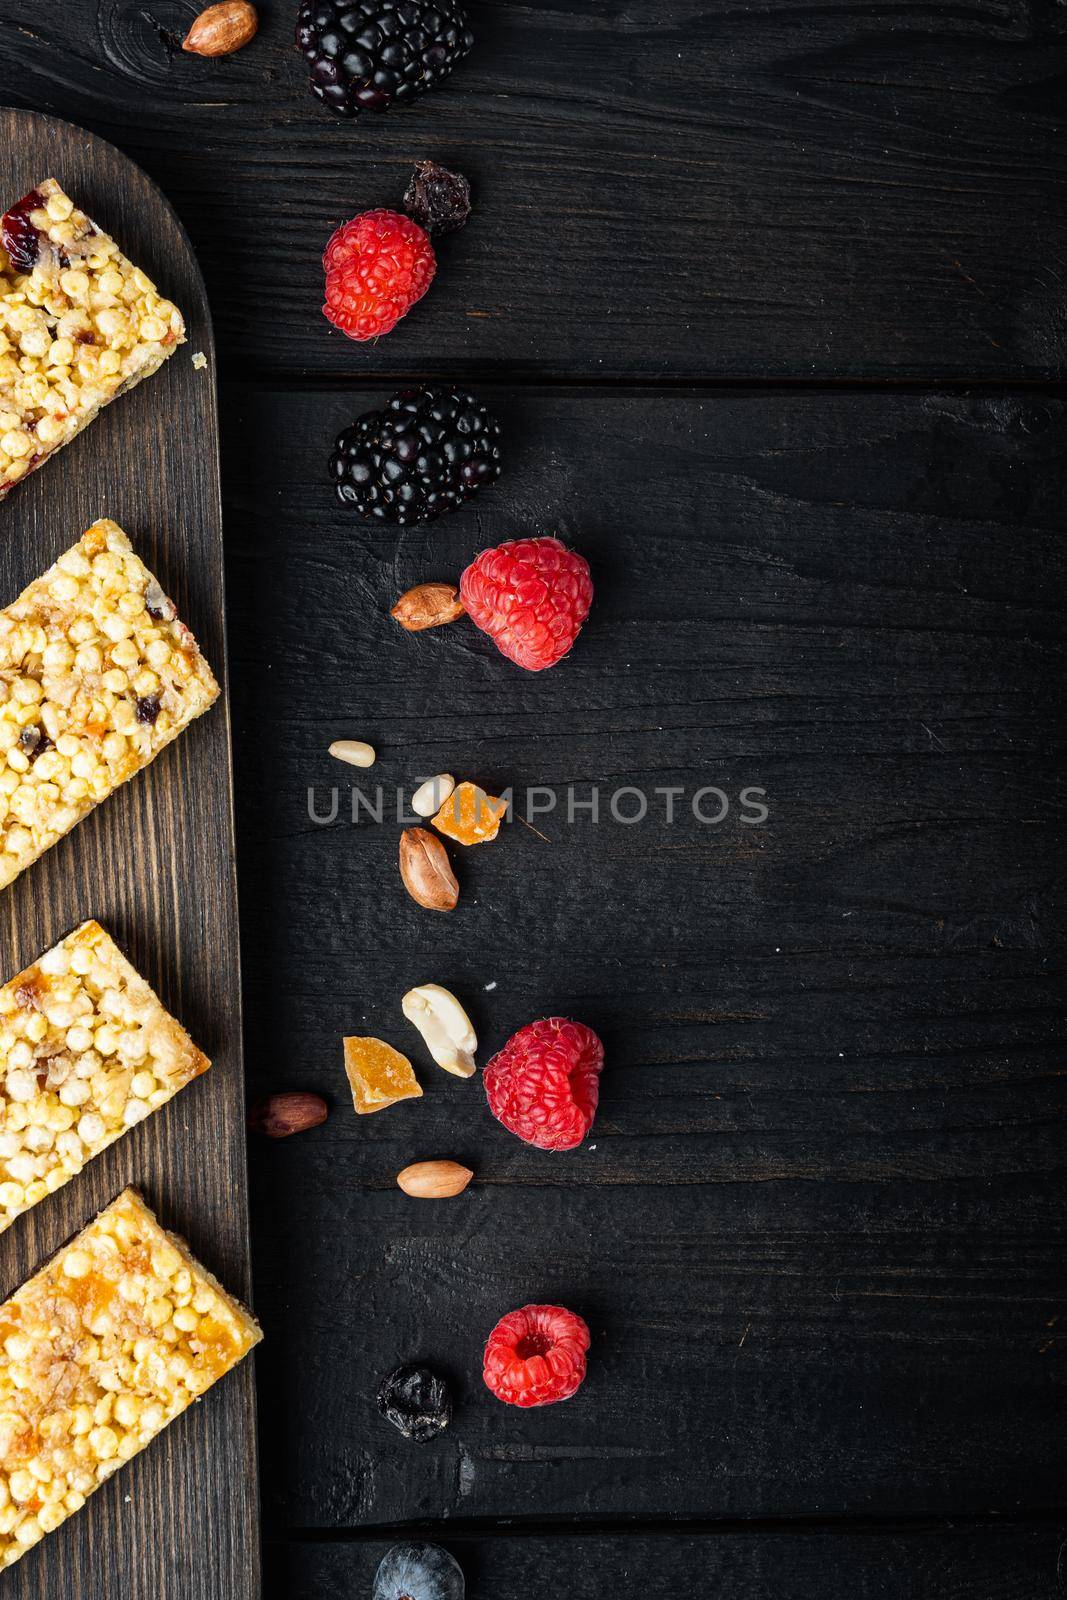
x=425, y=453
x=365, y=56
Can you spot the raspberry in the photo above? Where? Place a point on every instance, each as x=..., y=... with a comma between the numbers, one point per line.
x=545, y=1083
x=531, y=597
x=377, y=266
x=536, y=1356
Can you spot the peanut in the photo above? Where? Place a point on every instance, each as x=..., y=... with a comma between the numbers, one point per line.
x=445, y=1027
x=426, y=870
x=428, y=605
x=434, y=1180
x=279, y=1115
x=222, y=29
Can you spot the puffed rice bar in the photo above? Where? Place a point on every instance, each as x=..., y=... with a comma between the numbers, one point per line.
x=96, y=676
x=99, y=1351
x=86, y=1051
x=79, y=324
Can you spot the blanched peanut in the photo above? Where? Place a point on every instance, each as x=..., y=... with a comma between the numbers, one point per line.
x=445, y=1027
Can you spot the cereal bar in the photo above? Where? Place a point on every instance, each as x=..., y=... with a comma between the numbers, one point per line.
x=97, y=674
x=86, y=1051
x=78, y=325
x=113, y=1339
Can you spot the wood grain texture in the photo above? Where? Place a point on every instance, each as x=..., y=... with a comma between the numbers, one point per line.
x=816, y=1230
x=820, y=1236
x=679, y=190
x=155, y=865
x=1014, y=1562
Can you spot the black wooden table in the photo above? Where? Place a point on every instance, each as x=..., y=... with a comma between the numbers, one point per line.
x=771, y=302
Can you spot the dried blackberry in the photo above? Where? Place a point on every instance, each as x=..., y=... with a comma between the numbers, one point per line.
x=424, y=454
x=417, y=1401
x=368, y=56
x=438, y=200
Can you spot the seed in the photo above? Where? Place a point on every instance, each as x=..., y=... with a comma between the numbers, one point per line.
x=431, y=795
x=434, y=1180
x=354, y=751
x=426, y=870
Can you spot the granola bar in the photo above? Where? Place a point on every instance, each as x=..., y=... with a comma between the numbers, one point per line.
x=79, y=324
x=86, y=1051
x=113, y=1339
x=97, y=674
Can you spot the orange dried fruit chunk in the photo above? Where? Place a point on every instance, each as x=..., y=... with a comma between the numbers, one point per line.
x=469, y=815
x=378, y=1075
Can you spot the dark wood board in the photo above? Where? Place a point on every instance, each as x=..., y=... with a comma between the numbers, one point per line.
x=1014, y=1562
x=674, y=190
x=155, y=864
x=820, y=1238
x=817, y=1230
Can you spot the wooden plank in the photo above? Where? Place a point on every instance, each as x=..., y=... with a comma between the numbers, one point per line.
x=788, y=191
x=817, y=1238
x=155, y=864
x=1016, y=1562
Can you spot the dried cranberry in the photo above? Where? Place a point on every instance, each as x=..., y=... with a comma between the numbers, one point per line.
x=438, y=200
x=21, y=239
x=148, y=708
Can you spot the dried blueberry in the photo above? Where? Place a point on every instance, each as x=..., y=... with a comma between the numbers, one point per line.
x=438, y=200
x=417, y=1401
x=148, y=708
x=419, y=1572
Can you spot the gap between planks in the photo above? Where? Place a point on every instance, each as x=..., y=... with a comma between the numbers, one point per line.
x=869, y=1524
x=267, y=378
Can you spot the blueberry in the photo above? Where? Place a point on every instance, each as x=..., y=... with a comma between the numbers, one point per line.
x=418, y=1572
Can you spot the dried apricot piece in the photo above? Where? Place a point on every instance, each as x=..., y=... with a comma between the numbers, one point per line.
x=469, y=815
x=378, y=1075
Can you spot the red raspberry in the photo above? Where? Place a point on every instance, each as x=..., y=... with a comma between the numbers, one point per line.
x=531, y=597
x=377, y=266
x=536, y=1356
x=545, y=1083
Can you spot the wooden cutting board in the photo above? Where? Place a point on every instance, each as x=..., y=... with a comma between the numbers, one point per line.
x=155, y=864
